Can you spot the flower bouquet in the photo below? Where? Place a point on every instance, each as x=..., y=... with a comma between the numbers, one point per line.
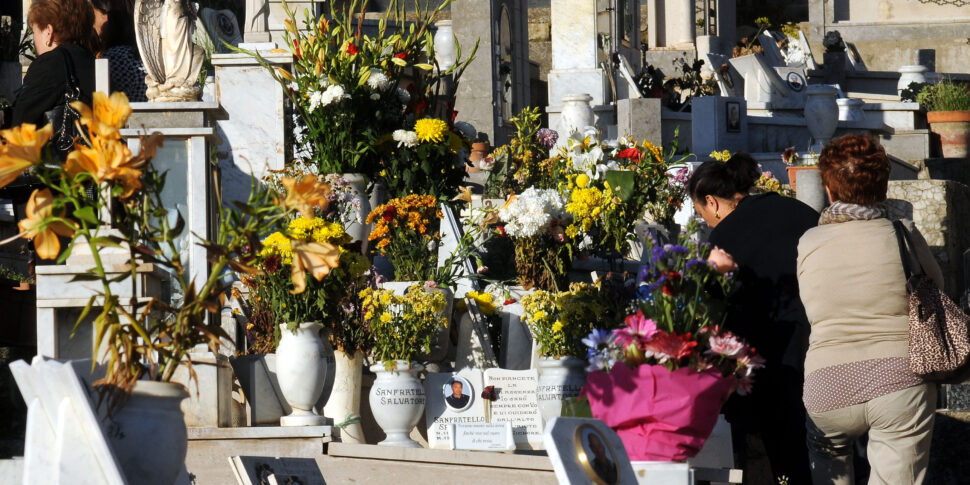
x=661, y=379
x=535, y=221
x=524, y=161
x=403, y=326
x=424, y=160
x=406, y=233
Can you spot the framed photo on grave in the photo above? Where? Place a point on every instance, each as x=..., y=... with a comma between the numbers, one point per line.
x=595, y=455
x=458, y=394
x=732, y=113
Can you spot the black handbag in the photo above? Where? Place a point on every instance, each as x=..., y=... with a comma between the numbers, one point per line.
x=63, y=117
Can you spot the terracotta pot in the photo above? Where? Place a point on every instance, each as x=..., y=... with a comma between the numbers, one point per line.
x=953, y=128
x=793, y=173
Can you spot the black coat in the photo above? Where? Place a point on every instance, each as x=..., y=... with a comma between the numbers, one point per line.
x=762, y=235
x=45, y=81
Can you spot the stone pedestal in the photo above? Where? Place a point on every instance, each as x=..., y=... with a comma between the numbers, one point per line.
x=210, y=400
x=639, y=119
x=251, y=129
x=575, y=53
x=671, y=23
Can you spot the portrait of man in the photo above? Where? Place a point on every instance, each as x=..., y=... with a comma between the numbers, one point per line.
x=458, y=394
x=733, y=117
x=600, y=458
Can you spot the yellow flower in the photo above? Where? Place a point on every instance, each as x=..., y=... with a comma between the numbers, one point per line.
x=368, y=315
x=24, y=147
x=557, y=327
x=305, y=194
x=385, y=299
x=431, y=130
x=721, y=156
x=106, y=115
x=582, y=180
x=277, y=244
x=385, y=317
x=40, y=206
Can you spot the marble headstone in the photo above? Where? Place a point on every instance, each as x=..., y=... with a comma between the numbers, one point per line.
x=443, y=410
x=517, y=347
x=517, y=402
x=587, y=451
x=719, y=123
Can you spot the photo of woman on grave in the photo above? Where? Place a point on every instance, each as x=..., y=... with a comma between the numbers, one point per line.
x=457, y=394
x=596, y=457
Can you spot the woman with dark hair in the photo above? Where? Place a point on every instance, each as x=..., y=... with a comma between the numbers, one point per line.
x=63, y=39
x=115, y=25
x=760, y=232
x=857, y=378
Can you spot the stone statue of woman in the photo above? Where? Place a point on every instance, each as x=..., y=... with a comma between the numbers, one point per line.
x=164, y=30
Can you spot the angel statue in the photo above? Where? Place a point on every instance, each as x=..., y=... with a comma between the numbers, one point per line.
x=164, y=31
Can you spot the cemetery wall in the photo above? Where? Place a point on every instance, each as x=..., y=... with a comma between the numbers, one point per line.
x=889, y=35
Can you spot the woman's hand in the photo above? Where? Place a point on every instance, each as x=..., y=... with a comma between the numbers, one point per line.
x=722, y=261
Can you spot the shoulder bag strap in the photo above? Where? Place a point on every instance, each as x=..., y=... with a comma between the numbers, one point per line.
x=72, y=83
x=903, y=253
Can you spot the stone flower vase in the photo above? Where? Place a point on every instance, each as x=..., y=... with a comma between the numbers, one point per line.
x=344, y=402
x=577, y=114
x=397, y=401
x=355, y=225
x=909, y=75
x=821, y=113
x=953, y=128
x=559, y=379
x=151, y=415
x=811, y=190
x=301, y=368
x=444, y=44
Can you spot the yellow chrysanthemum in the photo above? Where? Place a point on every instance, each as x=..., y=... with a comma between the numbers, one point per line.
x=721, y=156
x=278, y=244
x=557, y=326
x=582, y=181
x=385, y=317
x=430, y=130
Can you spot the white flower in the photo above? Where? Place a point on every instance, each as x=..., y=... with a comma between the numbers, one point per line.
x=531, y=212
x=403, y=95
x=316, y=98
x=375, y=96
x=378, y=81
x=794, y=55
x=334, y=93
x=405, y=138
x=324, y=82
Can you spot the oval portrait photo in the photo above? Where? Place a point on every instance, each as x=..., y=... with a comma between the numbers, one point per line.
x=596, y=456
x=458, y=394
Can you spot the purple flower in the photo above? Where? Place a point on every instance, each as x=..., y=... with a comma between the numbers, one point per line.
x=681, y=177
x=547, y=137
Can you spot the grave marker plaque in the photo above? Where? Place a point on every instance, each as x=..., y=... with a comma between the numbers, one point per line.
x=443, y=409
x=517, y=402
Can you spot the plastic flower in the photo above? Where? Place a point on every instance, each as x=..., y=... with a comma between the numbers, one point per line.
x=305, y=194
x=40, y=206
x=638, y=331
x=313, y=257
x=24, y=147
x=107, y=115
x=430, y=130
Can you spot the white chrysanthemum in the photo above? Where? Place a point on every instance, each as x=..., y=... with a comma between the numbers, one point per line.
x=378, y=81
x=405, y=138
x=324, y=82
x=316, y=98
x=530, y=213
x=403, y=95
x=334, y=93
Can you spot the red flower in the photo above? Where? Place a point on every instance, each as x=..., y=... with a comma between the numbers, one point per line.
x=670, y=346
x=724, y=68
x=296, y=49
x=631, y=153
x=390, y=212
x=509, y=301
x=272, y=263
x=351, y=48
x=488, y=393
x=401, y=55
x=501, y=230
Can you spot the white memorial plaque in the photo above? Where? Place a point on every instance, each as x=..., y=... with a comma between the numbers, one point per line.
x=452, y=398
x=517, y=402
x=482, y=437
x=588, y=451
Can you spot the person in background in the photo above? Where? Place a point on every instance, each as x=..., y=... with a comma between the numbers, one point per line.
x=760, y=234
x=115, y=26
x=63, y=38
x=857, y=378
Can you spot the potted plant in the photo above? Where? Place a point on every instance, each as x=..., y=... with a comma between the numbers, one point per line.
x=402, y=326
x=666, y=372
x=947, y=106
x=139, y=344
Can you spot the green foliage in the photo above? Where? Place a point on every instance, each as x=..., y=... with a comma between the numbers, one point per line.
x=426, y=168
x=522, y=163
x=944, y=96
x=560, y=320
x=403, y=327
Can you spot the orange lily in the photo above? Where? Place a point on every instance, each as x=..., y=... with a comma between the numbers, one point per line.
x=24, y=147
x=40, y=207
x=464, y=194
x=317, y=258
x=107, y=159
x=305, y=194
x=106, y=115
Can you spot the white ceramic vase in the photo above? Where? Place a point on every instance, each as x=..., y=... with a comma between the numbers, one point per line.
x=821, y=113
x=576, y=115
x=559, y=379
x=301, y=369
x=344, y=402
x=908, y=75
x=397, y=401
x=444, y=44
x=354, y=224
x=151, y=415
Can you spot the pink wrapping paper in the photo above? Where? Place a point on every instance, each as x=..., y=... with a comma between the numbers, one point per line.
x=660, y=415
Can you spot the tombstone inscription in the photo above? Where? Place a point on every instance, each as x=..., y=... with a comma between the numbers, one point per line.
x=443, y=408
x=516, y=401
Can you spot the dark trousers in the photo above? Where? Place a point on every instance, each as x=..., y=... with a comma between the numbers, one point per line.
x=773, y=410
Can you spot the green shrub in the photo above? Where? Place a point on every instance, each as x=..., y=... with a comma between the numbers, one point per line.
x=945, y=96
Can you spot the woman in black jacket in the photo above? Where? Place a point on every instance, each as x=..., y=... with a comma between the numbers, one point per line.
x=761, y=233
x=63, y=38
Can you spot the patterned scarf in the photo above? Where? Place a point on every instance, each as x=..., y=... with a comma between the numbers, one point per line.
x=844, y=212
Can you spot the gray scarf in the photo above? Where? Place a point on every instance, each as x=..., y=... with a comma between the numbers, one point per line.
x=844, y=212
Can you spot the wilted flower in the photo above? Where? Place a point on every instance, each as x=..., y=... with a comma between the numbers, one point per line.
x=306, y=194
x=313, y=257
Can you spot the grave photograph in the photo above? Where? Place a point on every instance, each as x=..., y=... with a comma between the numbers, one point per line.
x=675, y=242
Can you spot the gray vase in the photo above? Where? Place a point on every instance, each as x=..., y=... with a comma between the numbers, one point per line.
x=811, y=190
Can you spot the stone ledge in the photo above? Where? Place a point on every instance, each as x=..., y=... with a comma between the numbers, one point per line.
x=261, y=432
x=538, y=461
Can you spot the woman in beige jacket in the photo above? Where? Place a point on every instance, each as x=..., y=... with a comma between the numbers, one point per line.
x=857, y=378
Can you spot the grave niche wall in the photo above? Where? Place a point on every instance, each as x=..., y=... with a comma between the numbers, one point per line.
x=888, y=33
